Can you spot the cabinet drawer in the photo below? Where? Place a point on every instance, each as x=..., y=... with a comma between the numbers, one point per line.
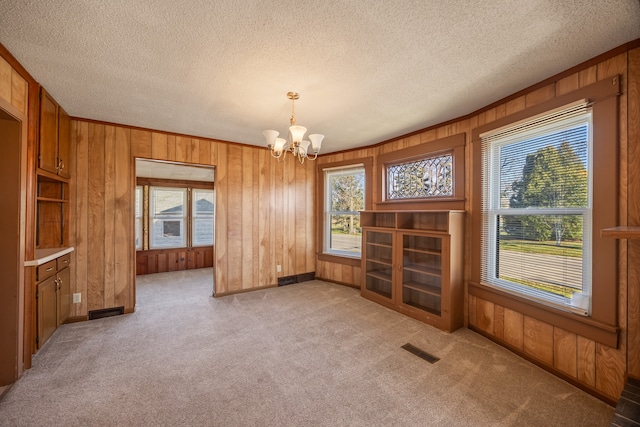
x=46, y=270
x=64, y=261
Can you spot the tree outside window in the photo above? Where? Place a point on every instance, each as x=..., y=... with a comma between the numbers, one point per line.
x=344, y=199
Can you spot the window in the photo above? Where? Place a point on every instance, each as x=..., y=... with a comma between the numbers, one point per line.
x=429, y=177
x=202, y=209
x=168, y=215
x=536, y=208
x=139, y=210
x=344, y=198
x=431, y=172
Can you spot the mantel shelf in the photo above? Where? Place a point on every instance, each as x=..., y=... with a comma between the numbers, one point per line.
x=622, y=232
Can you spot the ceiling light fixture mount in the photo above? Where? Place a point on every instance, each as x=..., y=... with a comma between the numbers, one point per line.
x=295, y=144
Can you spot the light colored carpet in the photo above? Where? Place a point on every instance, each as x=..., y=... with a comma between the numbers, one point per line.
x=309, y=354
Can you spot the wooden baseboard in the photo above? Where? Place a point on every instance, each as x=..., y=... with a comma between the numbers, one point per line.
x=243, y=291
x=76, y=319
x=573, y=381
x=351, y=285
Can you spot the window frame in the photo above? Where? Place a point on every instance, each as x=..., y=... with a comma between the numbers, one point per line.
x=367, y=163
x=328, y=213
x=493, y=211
x=453, y=145
x=602, y=325
x=184, y=217
x=147, y=184
x=193, y=217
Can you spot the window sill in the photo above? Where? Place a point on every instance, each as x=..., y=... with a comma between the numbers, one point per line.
x=448, y=203
x=338, y=259
x=583, y=326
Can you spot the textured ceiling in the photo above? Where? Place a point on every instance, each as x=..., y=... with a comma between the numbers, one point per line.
x=367, y=70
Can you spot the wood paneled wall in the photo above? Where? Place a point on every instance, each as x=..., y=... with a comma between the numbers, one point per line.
x=264, y=211
x=13, y=87
x=591, y=365
x=163, y=260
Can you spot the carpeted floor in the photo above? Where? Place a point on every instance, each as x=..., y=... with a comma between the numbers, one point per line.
x=309, y=354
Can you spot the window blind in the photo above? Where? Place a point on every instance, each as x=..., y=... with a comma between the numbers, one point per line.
x=536, y=209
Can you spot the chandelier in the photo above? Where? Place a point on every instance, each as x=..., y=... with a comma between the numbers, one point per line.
x=295, y=144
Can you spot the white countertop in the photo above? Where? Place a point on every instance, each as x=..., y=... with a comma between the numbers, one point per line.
x=45, y=255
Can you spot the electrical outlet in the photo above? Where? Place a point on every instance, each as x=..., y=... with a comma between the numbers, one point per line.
x=279, y=268
x=77, y=298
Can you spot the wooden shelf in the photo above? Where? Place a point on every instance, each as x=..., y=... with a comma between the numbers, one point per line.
x=423, y=269
x=380, y=275
x=385, y=262
x=622, y=232
x=380, y=245
x=50, y=199
x=421, y=287
x=424, y=251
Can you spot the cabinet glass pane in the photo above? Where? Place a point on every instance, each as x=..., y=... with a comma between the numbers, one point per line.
x=379, y=262
x=422, y=272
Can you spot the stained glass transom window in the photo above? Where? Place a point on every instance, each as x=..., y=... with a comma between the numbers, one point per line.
x=431, y=177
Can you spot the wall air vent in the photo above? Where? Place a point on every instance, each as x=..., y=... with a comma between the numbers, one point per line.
x=105, y=312
x=288, y=280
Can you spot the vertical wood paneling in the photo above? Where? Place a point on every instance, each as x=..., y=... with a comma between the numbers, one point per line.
x=300, y=218
x=82, y=216
x=498, y=322
x=586, y=361
x=5, y=80
x=538, y=96
x=171, y=148
x=109, y=216
x=183, y=149
x=564, y=351
x=19, y=89
x=221, y=279
x=633, y=209
x=264, y=211
x=485, y=313
x=124, y=227
x=610, y=368
x=96, y=256
x=568, y=84
x=538, y=340
x=514, y=328
x=234, y=218
x=141, y=143
x=159, y=146
x=194, y=151
x=255, y=211
x=247, y=208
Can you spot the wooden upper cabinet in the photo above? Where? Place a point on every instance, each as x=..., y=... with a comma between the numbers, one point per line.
x=48, y=146
x=55, y=125
x=64, y=127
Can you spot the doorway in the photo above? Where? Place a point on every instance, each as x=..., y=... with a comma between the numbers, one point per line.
x=174, y=217
x=12, y=251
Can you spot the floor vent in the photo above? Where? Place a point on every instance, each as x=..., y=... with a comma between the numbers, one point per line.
x=288, y=280
x=105, y=312
x=420, y=353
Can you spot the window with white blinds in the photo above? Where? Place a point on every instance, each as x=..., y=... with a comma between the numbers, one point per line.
x=536, y=208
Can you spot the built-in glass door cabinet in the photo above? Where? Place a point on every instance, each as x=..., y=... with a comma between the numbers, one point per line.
x=413, y=263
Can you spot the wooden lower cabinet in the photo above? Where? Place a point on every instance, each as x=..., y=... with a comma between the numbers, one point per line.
x=412, y=262
x=53, y=297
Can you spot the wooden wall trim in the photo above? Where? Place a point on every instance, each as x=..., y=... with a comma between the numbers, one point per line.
x=581, y=385
x=162, y=132
x=583, y=326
